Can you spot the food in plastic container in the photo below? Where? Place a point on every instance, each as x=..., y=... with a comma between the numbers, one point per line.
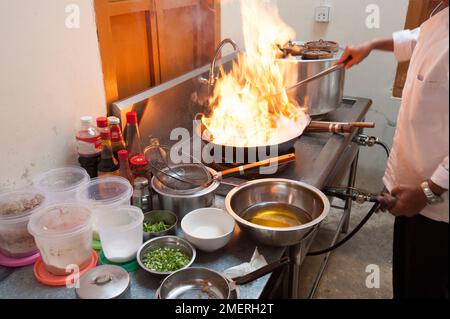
x=16, y=208
x=104, y=194
x=121, y=233
x=63, y=234
x=61, y=184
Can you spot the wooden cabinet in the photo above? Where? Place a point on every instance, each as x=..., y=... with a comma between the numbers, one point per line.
x=146, y=42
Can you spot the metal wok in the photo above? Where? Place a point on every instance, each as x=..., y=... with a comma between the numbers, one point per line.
x=251, y=154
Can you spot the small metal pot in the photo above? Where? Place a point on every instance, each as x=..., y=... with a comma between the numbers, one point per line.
x=297, y=194
x=182, y=204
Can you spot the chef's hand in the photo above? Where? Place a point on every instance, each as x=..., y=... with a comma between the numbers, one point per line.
x=355, y=54
x=404, y=200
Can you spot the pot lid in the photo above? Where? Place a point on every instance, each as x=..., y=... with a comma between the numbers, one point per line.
x=103, y=282
x=323, y=45
x=316, y=54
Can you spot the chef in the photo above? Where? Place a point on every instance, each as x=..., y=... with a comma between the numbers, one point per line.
x=417, y=171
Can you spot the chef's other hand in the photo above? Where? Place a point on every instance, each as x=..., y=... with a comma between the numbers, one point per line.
x=355, y=54
x=411, y=200
x=387, y=202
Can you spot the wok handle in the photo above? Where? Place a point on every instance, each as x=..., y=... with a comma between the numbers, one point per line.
x=262, y=271
x=336, y=127
x=267, y=162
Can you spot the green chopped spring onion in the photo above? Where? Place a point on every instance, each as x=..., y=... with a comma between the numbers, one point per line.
x=165, y=259
x=155, y=228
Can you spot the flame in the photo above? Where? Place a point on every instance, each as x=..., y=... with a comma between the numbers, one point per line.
x=246, y=109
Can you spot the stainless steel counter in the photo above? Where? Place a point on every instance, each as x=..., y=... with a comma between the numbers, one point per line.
x=322, y=158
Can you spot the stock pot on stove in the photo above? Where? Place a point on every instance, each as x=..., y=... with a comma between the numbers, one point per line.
x=323, y=95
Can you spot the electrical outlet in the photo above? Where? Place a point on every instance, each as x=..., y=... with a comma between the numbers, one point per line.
x=323, y=14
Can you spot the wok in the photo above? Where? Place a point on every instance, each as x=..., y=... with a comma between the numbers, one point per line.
x=250, y=154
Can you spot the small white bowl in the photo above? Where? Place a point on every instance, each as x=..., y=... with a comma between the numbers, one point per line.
x=208, y=229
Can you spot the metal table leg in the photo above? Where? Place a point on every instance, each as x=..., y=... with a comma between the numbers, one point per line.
x=349, y=202
x=342, y=228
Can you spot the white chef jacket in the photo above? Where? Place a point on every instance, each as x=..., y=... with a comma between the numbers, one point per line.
x=420, y=150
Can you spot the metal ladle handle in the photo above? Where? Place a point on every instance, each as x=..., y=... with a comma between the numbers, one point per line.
x=262, y=271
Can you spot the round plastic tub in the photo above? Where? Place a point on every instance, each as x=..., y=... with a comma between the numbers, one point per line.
x=16, y=209
x=104, y=194
x=61, y=184
x=63, y=234
x=121, y=233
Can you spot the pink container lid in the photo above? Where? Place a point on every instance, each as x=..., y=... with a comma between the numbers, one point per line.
x=21, y=262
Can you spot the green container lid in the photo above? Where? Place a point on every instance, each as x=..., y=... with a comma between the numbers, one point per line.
x=130, y=266
x=96, y=245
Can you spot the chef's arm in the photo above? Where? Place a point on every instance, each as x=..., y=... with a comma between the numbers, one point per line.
x=439, y=182
x=401, y=43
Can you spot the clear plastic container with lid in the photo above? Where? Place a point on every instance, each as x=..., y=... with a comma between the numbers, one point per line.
x=61, y=184
x=63, y=234
x=16, y=209
x=121, y=233
x=103, y=194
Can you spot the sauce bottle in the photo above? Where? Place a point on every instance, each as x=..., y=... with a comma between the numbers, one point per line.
x=108, y=165
x=117, y=141
x=88, y=145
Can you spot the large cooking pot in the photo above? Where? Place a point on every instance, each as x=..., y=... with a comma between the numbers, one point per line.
x=300, y=196
x=321, y=96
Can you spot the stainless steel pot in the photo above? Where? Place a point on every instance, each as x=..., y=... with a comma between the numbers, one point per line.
x=321, y=96
x=181, y=203
x=294, y=193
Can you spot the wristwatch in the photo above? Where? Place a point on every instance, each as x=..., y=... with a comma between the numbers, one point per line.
x=432, y=198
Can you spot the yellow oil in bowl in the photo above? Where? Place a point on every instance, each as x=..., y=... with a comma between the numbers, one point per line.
x=276, y=215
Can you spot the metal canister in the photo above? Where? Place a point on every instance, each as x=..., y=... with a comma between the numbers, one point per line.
x=141, y=194
x=104, y=282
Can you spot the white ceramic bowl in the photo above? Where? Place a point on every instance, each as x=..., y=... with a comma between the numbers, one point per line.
x=208, y=229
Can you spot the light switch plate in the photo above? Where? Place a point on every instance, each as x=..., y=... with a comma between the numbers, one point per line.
x=322, y=14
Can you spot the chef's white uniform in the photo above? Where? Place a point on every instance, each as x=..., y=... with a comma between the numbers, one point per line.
x=420, y=150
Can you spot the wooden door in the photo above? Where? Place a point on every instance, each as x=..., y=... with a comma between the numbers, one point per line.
x=146, y=42
x=186, y=35
x=127, y=38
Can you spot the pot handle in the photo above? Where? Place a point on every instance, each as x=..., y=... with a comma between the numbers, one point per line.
x=262, y=271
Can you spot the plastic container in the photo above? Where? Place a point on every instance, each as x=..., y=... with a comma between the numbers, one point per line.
x=104, y=194
x=60, y=185
x=63, y=234
x=121, y=233
x=16, y=209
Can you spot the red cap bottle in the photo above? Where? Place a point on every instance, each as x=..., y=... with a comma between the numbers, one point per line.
x=102, y=122
x=132, y=118
x=123, y=155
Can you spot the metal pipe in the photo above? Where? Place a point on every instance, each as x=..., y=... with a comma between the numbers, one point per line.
x=212, y=77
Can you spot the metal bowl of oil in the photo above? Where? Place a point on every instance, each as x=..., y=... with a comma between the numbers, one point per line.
x=277, y=212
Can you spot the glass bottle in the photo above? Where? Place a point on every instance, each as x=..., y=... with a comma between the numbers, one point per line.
x=117, y=141
x=133, y=136
x=88, y=145
x=125, y=170
x=108, y=165
x=102, y=124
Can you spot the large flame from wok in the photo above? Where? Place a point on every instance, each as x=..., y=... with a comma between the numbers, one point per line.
x=244, y=110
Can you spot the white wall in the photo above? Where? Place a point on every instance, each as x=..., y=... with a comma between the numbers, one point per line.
x=49, y=76
x=373, y=79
